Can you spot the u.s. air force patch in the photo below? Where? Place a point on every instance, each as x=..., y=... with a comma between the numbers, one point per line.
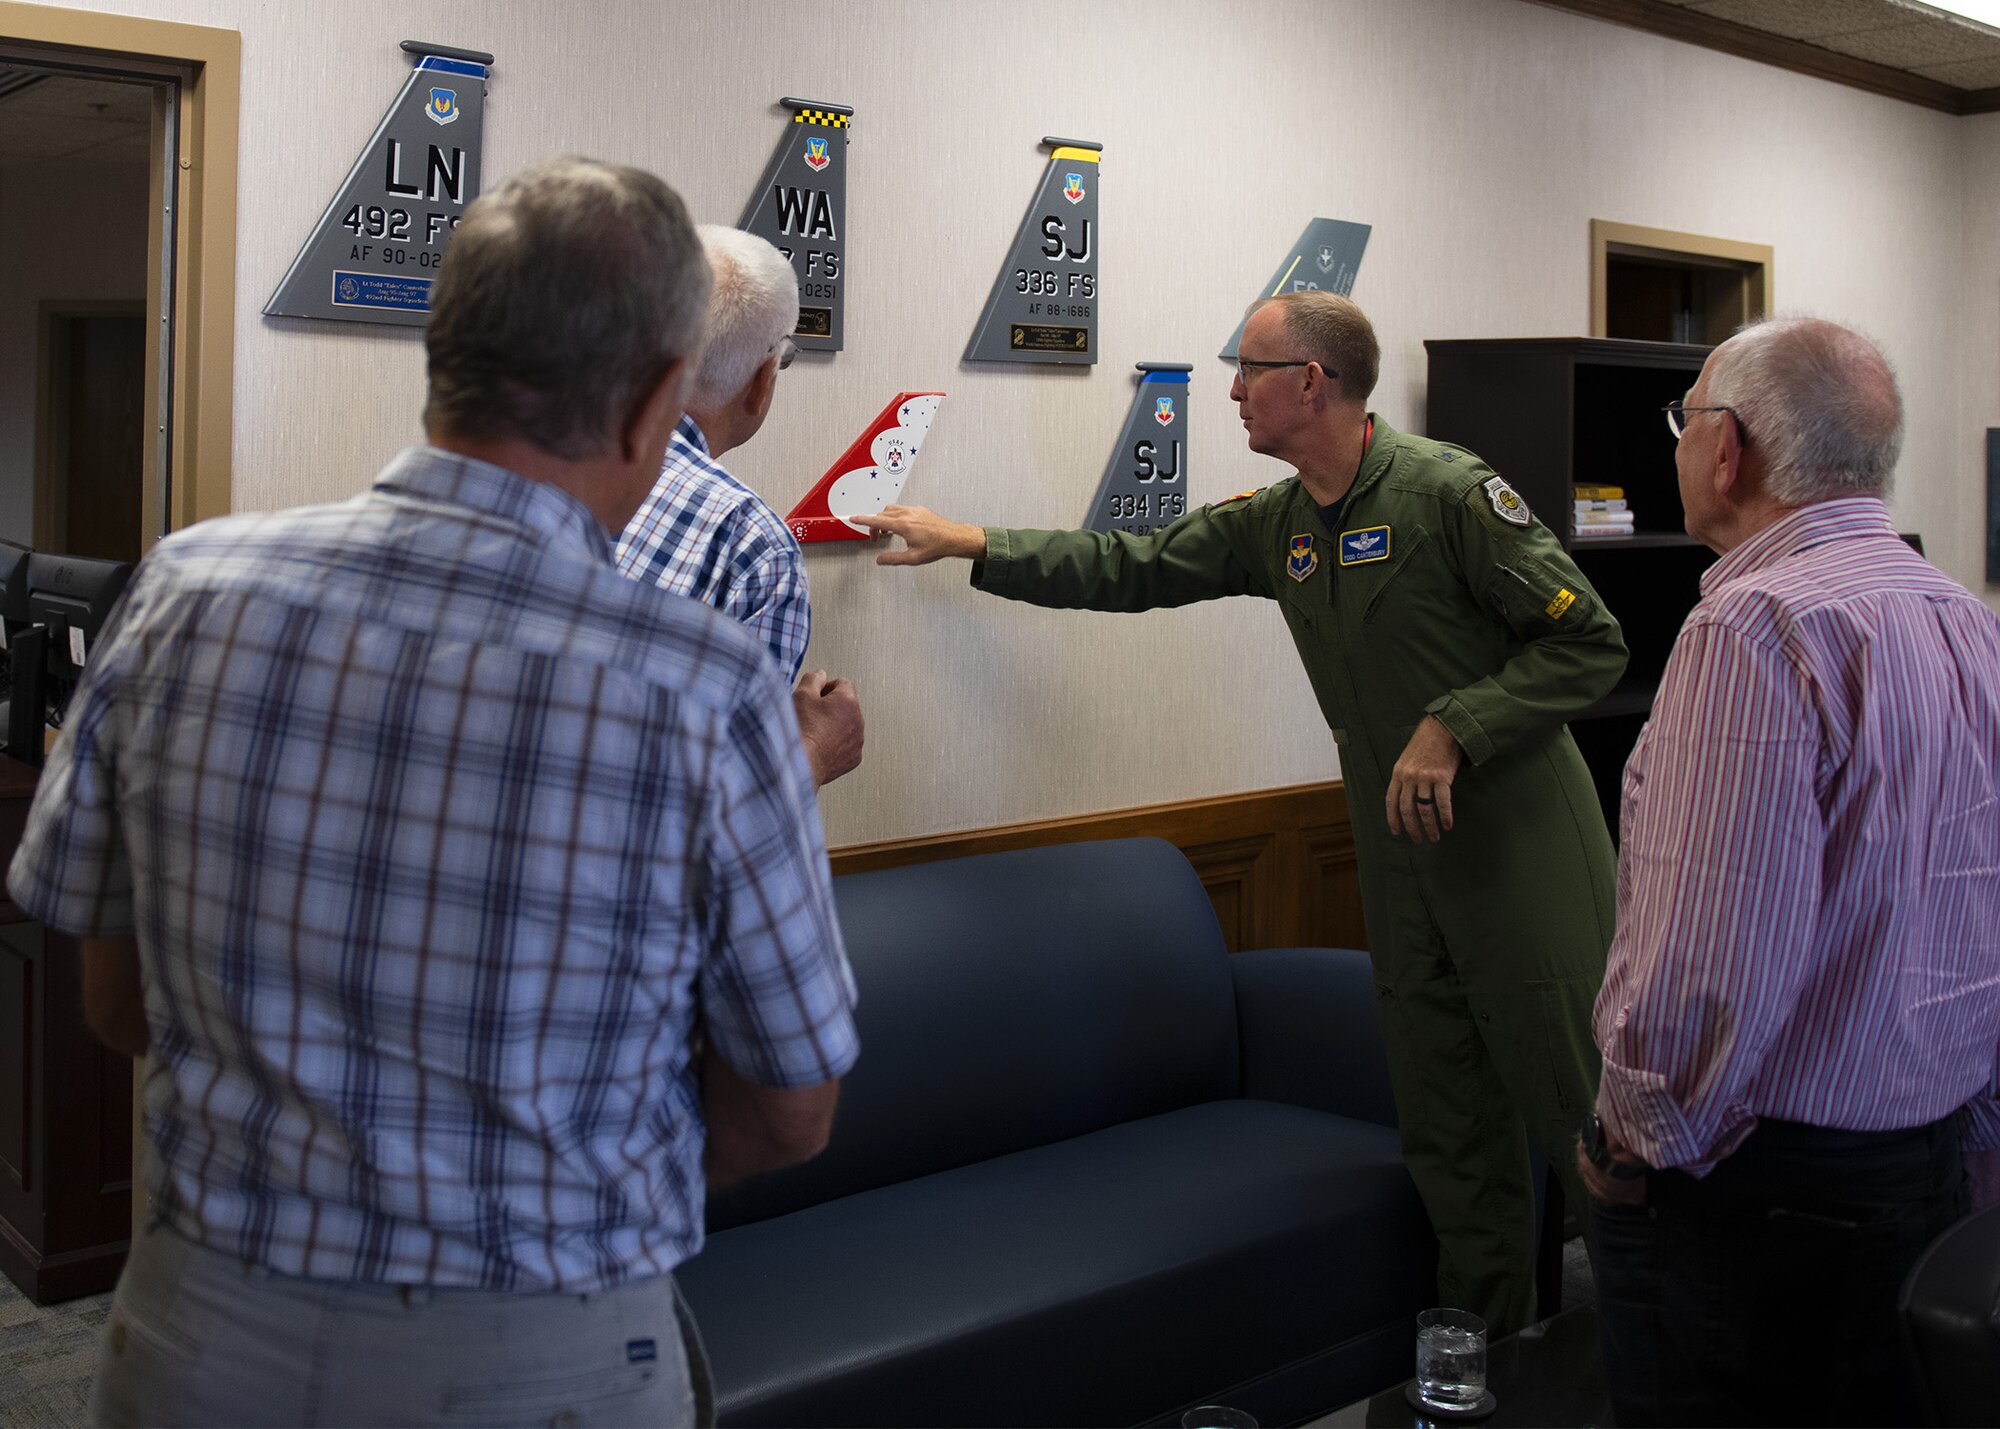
x=1301, y=560
x=1507, y=502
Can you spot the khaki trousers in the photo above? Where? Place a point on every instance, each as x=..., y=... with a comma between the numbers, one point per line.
x=203, y=1338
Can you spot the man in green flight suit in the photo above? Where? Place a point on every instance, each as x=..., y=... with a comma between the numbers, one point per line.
x=1448, y=638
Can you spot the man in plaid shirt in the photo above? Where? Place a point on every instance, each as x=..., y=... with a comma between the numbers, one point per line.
x=701, y=532
x=469, y=897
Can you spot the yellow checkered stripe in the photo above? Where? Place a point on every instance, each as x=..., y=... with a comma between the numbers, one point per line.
x=820, y=116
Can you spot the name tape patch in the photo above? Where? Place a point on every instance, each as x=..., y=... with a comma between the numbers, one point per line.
x=1370, y=543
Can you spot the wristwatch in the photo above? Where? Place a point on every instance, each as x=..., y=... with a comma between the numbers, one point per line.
x=1598, y=1153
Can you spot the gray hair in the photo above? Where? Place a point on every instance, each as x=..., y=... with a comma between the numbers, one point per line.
x=569, y=291
x=1335, y=333
x=1818, y=402
x=755, y=302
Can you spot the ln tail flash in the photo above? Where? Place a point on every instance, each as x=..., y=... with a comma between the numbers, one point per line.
x=871, y=473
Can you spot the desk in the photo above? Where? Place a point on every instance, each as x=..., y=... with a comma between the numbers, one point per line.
x=1549, y=1374
x=65, y=1102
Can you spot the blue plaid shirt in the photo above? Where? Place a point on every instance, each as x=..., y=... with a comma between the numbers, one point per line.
x=444, y=845
x=703, y=533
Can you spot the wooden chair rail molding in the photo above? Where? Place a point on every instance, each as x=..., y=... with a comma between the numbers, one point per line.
x=1278, y=863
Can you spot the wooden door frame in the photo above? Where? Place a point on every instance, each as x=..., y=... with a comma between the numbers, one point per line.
x=199, y=398
x=1605, y=236
x=202, y=306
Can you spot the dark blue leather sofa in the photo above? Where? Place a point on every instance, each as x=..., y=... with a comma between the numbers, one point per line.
x=1091, y=1169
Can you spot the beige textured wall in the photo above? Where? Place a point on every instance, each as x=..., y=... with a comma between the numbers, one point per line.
x=1979, y=379
x=1479, y=137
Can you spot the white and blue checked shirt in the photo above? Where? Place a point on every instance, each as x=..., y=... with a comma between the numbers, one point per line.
x=703, y=533
x=444, y=843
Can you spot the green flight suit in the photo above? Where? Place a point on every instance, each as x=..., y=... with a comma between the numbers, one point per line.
x=1489, y=946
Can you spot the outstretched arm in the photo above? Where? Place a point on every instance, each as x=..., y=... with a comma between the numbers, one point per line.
x=1202, y=556
x=926, y=535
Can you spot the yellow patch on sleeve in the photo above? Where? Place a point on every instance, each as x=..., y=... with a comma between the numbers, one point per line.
x=1242, y=494
x=1563, y=601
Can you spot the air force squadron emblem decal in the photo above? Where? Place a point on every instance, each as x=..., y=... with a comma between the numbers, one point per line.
x=1327, y=256
x=800, y=207
x=1358, y=548
x=377, y=247
x=1302, y=560
x=1043, y=305
x=1507, y=502
x=1144, y=489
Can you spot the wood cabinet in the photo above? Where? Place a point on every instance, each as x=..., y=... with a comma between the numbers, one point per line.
x=1547, y=413
x=65, y=1103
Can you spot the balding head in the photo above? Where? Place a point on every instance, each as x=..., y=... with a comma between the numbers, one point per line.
x=1819, y=407
x=1335, y=333
x=572, y=288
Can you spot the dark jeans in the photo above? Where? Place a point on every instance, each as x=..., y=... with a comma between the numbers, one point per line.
x=1765, y=1292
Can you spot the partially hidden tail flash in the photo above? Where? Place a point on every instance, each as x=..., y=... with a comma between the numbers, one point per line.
x=870, y=475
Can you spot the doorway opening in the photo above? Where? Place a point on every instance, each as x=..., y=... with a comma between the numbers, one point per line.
x=78, y=157
x=1662, y=286
x=117, y=302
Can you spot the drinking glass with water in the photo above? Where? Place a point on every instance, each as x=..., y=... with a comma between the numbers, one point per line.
x=1451, y=1358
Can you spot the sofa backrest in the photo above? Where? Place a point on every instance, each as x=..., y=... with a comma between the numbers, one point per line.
x=1010, y=1000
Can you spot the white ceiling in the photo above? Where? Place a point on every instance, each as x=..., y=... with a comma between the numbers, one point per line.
x=1905, y=49
x=1916, y=39
x=48, y=115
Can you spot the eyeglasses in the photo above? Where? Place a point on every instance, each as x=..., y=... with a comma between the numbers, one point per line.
x=1677, y=418
x=786, y=350
x=1245, y=364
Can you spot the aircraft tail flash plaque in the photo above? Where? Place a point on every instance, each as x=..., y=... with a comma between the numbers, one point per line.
x=800, y=208
x=375, y=252
x=870, y=474
x=1043, y=307
x=1145, y=483
x=1327, y=256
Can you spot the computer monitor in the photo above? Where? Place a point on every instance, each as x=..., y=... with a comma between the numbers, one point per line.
x=70, y=597
x=13, y=587
x=15, y=624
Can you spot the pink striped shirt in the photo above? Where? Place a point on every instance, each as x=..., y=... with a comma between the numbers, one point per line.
x=1809, y=862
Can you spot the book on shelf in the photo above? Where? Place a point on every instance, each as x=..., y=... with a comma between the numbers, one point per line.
x=1598, y=533
x=1593, y=491
x=1604, y=518
x=1615, y=504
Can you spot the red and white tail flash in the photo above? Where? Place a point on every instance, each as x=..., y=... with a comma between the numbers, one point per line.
x=871, y=473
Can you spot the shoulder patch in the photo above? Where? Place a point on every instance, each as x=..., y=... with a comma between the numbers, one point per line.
x=1240, y=496
x=1447, y=454
x=1507, y=502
